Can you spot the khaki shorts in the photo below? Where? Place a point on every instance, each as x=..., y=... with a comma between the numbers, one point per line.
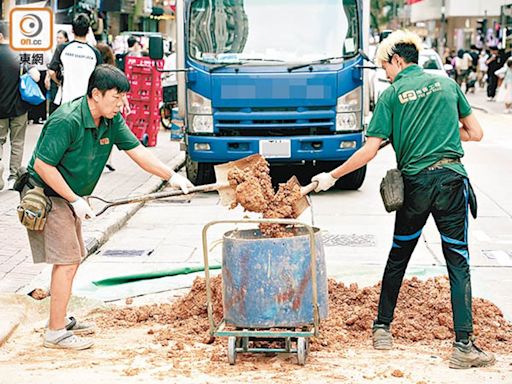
x=60, y=242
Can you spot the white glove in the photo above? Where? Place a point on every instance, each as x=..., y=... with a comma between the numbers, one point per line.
x=178, y=181
x=82, y=209
x=325, y=181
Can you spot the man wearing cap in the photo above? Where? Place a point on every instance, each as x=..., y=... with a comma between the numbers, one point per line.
x=420, y=114
x=67, y=163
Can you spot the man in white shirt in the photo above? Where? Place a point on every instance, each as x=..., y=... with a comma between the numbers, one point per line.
x=75, y=61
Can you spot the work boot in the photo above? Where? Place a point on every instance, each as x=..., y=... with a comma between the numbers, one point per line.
x=468, y=355
x=382, y=337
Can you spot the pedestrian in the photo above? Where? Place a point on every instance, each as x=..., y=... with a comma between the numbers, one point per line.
x=414, y=112
x=505, y=91
x=482, y=68
x=493, y=64
x=51, y=85
x=13, y=110
x=74, y=61
x=463, y=63
x=67, y=163
x=134, y=47
x=40, y=60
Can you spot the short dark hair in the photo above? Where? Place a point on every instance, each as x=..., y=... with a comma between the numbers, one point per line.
x=4, y=29
x=106, y=77
x=406, y=51
x=132, y=41
x=81, y=25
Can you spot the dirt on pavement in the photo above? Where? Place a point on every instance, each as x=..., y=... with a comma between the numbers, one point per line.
x=170, y=342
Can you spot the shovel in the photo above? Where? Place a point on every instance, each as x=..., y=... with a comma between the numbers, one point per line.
x=222, y=186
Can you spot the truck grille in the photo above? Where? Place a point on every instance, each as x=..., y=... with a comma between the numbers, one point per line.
x=274, y=121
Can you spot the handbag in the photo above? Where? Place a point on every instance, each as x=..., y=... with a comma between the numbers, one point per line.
x=30, y=91
x=392, y=190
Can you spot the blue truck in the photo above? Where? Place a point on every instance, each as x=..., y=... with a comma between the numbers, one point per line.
x=283, y=78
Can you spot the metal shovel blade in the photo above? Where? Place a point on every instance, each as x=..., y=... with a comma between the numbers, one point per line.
x=302, y=204
x=227, y=194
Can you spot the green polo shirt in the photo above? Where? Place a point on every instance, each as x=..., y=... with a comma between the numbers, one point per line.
x=420, y=113
x=71, y=142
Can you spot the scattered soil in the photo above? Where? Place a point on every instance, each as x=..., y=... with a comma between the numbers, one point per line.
x=254, y=192
x=39, y=294
x=423, y=314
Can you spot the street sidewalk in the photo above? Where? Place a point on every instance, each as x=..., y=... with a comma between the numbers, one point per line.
x=478, y=100
x=16, y=267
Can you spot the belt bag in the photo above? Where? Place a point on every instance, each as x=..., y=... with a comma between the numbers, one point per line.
x=392, y=190
x=34, y=208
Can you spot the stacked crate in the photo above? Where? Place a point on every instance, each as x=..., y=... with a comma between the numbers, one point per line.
x=144, y=98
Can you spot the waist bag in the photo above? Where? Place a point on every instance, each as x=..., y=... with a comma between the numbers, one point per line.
x=34, y=208
x=392, y=190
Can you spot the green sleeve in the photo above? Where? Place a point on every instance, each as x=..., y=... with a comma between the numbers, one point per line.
x=462, y=103
x=55, y=140
x=381, y=124
x=124, y=139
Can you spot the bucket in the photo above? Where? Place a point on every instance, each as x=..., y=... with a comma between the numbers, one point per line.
x=176, y=125
x=267, y=281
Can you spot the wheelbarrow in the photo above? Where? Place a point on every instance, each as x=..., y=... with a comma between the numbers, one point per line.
x=274, y=290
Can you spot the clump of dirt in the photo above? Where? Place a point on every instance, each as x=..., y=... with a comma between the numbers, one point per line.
x=254, y=192
x=423, y=314
x=39, y=294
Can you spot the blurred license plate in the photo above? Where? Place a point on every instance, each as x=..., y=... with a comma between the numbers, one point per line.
x=275, y=148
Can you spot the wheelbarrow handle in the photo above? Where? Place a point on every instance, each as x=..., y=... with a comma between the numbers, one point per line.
x=153, y=196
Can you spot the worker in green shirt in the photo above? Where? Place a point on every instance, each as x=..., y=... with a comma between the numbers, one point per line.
x=67, y=163
x=420, y=114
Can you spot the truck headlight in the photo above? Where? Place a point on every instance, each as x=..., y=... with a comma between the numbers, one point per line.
x=197, y=104
x=201, y=124
x=348, y=111
x=350, y=102
x=347, y=122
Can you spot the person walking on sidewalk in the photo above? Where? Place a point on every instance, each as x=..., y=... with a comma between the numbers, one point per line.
x=493, y=64
x=74, y=62
x=420, y=114
x=13, y=110
x=505, y=91
x=67, y=163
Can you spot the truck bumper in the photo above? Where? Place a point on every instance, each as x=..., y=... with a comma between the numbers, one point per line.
x=307, y=148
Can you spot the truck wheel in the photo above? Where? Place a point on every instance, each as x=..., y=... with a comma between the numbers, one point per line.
x=352, y=181
x=199, y=173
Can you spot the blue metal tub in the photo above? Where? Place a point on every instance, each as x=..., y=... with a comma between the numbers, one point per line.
x=267, y=281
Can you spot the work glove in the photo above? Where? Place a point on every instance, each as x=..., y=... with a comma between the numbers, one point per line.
x=178, y=181
x=325, y=181
x=82, y=210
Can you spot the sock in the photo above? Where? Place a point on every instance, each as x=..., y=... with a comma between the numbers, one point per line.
x=52, y=335
x=379, y=322
x=462, y=336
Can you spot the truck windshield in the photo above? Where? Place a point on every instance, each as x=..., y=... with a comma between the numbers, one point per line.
x=271, y=32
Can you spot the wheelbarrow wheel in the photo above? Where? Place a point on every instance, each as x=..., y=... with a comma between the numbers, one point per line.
x=232, y=350
x=301, y=350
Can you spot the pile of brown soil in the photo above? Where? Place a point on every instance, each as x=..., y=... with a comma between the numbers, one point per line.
x=423, y=314
x=254, y=192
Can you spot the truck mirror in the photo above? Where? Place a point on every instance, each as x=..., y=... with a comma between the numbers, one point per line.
x=156, y=47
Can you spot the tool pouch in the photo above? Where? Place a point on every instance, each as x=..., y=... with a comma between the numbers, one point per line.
x=34, y=208
x=392, y=190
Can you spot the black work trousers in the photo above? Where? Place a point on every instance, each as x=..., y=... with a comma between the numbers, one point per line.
x=444, y=194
